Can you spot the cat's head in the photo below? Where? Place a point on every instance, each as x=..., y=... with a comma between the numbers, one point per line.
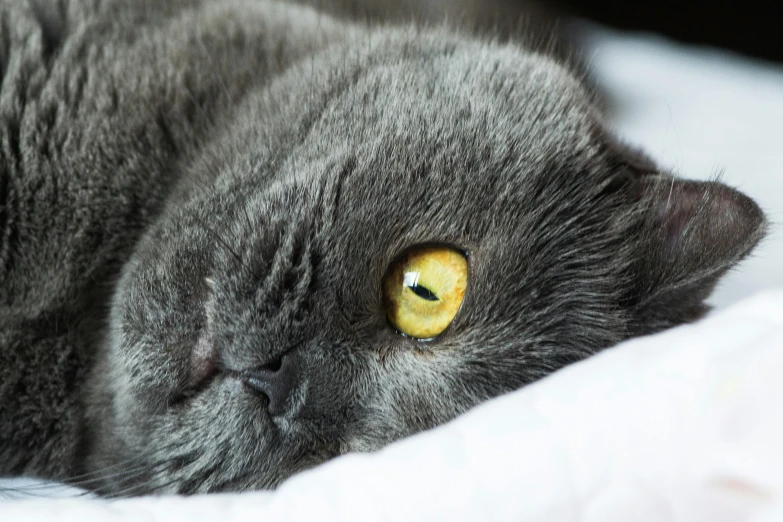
x=270, y=320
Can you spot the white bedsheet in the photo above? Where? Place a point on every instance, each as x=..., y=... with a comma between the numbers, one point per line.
x=681, y=426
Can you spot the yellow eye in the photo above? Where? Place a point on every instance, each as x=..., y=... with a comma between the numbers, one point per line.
x=423, y=290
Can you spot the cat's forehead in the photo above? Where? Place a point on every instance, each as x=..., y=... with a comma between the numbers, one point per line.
x=432, y=140
x=435, y=141
x=464, y=94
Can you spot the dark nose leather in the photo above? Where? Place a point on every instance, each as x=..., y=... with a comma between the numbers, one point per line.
x=277, y=381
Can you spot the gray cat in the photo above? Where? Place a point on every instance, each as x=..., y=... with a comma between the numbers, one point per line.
x=239, y=238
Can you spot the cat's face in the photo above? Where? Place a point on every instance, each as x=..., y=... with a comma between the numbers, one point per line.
x=250, y=337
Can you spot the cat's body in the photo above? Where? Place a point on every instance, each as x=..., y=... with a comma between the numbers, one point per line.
x=192, y=192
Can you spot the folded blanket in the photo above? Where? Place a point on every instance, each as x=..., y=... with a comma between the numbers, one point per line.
x=684, y=425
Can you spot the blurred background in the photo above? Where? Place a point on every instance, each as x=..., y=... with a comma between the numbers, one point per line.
x=699, y=87
x=752, y=28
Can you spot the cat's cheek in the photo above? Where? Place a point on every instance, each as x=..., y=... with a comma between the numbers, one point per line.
x=409, y=394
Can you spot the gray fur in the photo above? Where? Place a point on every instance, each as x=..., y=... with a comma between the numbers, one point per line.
x=237, y=175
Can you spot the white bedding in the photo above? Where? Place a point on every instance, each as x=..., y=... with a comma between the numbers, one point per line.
x=681, y=426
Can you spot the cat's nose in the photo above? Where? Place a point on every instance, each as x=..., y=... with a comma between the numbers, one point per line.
x=277, y=381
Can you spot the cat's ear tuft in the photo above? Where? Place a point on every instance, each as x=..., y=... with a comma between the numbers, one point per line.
x=692, y=233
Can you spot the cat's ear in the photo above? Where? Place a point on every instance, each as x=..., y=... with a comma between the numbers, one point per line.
x=691, y=233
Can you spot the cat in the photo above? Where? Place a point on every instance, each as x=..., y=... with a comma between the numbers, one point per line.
x=239, y=238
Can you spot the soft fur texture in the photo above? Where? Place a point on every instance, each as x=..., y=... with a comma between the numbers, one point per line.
x=192, y=192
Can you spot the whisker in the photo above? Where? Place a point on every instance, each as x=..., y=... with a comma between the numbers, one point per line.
x=144, y=488
x=225, y=245
x=113, y=484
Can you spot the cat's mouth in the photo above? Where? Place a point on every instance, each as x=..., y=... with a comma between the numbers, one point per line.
x=272, y=382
